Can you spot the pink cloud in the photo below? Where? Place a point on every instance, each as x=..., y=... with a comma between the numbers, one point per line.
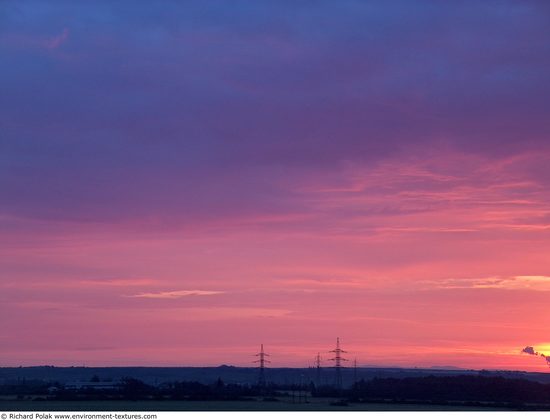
x=58, y=40
x=176, y=294
x=23, y=40
x=418, y=268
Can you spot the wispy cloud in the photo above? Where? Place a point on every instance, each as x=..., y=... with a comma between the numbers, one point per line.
x=116, y=282
x=315, y=283
x=24, y=40
x=541, y=283
x=56, y=41
x=74, y=284
x=426, y=229
x=176, y=294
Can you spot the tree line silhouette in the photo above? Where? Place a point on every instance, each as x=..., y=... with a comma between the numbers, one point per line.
x=461, y=389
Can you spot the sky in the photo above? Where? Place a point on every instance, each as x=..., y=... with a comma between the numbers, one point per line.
x=181, y=181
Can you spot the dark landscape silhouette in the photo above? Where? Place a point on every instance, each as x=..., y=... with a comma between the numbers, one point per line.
x=49, y=387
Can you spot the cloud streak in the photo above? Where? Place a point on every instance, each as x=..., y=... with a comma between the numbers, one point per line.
x=536, y=283
x=176, y=294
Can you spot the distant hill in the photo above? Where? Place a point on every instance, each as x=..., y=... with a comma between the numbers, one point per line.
x=240, y=375
x=446, y=368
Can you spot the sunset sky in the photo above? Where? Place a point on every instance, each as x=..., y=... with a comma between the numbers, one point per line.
x=182, y=181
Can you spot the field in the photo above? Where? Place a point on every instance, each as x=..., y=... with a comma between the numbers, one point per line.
x=315, y=404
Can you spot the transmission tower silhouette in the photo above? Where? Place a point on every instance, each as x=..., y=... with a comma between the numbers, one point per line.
x=318, y=368
x=262, y=361
x=338, y=359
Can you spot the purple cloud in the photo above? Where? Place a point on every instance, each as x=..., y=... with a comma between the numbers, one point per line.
x=202, y=108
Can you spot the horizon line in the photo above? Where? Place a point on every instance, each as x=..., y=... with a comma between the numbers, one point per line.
x=435, y=368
